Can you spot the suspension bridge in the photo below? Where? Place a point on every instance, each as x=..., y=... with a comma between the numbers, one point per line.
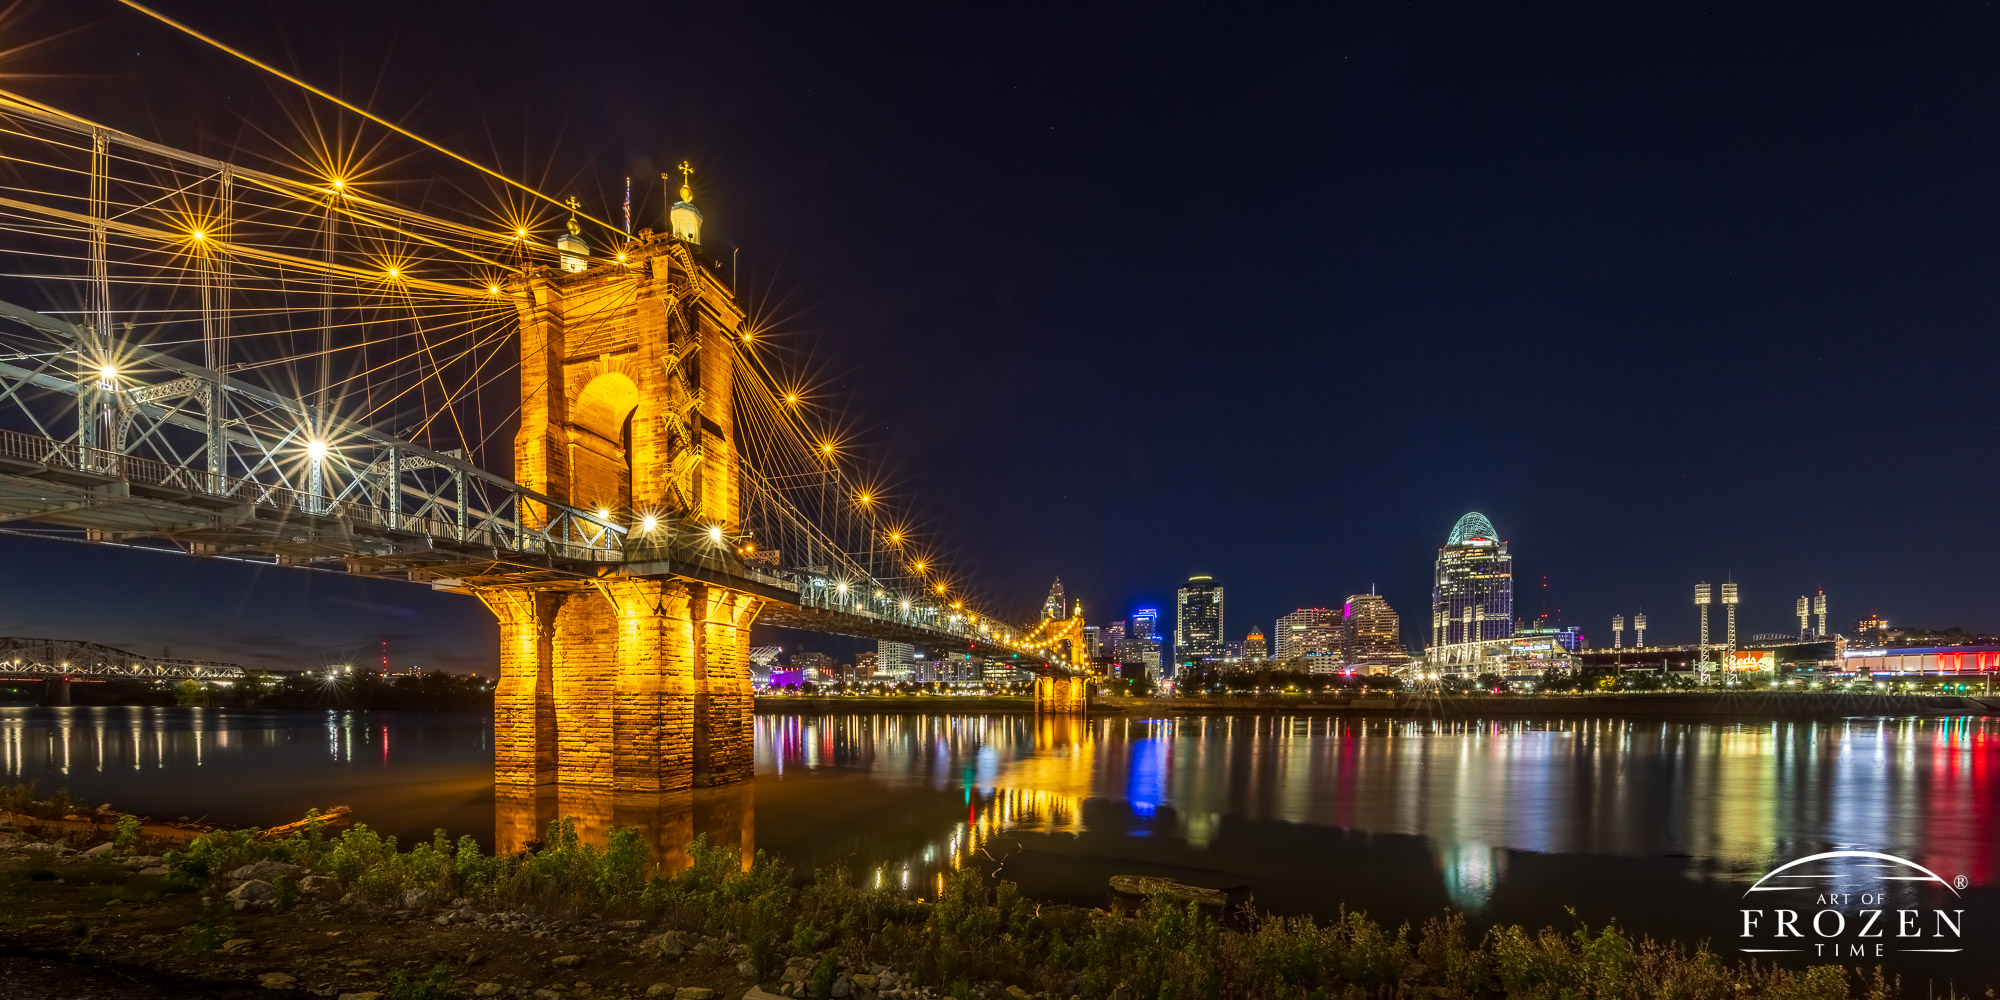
x=287, y=366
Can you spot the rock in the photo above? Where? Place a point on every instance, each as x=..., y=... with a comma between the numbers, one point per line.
x=155, y=870
x=276, y=981
x=746, y=969
x=694, y=993
x=666, y=945
x=547, y=995
x=266, y=871
x=98, y=851
x=474, y=957
x=416, y=899
x=659, y=990
x=866, y=981
x=758, y=993
x=1017, y=993
x=234, y=945
x=567, y=961
x=255, y=890
x=841, y=988
x=489, y=990
x=314, y=883
x=442, y=919
x=628, y=925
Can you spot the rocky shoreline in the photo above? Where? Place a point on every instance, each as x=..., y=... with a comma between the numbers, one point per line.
x=358, y=917
x=282, y=928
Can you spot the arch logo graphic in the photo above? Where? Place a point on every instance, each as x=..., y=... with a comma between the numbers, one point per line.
x=1853, y=904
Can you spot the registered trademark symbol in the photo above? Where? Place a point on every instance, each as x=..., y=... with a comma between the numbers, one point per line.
x=1958, y=883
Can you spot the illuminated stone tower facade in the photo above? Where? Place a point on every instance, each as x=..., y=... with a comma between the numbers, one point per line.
x=638, y=683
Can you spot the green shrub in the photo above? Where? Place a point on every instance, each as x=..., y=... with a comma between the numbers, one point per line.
x=436, y=985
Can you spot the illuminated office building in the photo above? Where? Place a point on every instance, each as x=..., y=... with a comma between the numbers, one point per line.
x=1254, y=647
x=1473, y=600
x=1371, y=635
x=1198, y=621
x=1309, y=632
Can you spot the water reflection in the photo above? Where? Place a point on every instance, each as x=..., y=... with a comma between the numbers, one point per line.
x=1311, y=810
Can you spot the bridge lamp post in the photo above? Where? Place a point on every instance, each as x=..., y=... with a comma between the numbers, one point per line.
x=315, y=475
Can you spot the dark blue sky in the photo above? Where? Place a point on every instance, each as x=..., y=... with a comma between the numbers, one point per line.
x=1272, y=294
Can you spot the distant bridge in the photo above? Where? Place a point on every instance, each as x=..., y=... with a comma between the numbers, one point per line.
x=23, y=657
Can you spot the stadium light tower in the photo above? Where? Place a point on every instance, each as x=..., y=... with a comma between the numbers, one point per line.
x=1804, y=609
x=1729, y=607
x=1703, y=594
x=1639, y=630
x=1617, y=631
x=1819, y=608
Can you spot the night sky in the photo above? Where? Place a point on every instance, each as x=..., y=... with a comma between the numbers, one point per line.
x=1120, y=294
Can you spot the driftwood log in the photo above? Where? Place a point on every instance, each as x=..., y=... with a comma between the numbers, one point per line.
x=1149, y=886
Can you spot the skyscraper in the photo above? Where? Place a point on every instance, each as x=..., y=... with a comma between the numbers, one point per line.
x=1473, y=600
x=1371, y=634
x=1055, y=607
x=1308, y=632
x=1198, y=620
x=1254, y=647
x=1145, y=624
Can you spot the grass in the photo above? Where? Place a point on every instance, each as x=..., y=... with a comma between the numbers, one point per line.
x=981, y=931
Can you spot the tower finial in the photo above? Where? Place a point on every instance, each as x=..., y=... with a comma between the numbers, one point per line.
x=687, y=191
x=574, y=207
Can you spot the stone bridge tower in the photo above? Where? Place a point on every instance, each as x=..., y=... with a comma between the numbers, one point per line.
x=633, y=683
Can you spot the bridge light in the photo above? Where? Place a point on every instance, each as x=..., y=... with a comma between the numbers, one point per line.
x=864, y=499
x=842, y=588
x=792, y=398
x=919, y=565
x=317, y=449
x=649, y=523
x=107, y=373
x=715, y=533
x=906, y=605
x=520, y=234
x=197, y=236
x=492, y=289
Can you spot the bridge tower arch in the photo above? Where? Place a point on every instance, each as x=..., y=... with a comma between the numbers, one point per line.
x=639, y=679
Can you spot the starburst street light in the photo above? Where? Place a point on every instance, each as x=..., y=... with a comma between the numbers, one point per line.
x=317, y=449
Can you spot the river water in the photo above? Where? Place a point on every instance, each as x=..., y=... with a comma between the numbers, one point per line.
x=1659, y=825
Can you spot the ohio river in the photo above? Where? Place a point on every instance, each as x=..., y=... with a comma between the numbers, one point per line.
x=1659, y=825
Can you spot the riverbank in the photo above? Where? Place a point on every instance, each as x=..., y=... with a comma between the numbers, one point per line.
x=354, y=916
x=1727, y=705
